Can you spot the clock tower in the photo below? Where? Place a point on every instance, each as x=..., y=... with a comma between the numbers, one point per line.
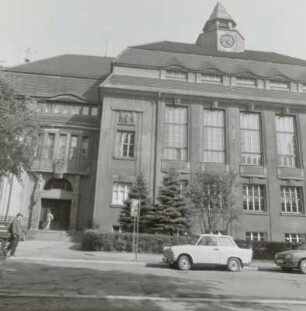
x=220, y=33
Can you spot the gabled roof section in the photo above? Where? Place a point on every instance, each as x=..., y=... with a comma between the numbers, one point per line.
x=68, y=65
x=187, y=48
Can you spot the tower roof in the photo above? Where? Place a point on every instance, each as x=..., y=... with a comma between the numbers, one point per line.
x=219, y=13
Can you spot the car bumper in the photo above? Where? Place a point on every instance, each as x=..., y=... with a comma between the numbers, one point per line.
x=286, y=263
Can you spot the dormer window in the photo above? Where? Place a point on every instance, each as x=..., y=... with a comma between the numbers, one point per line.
x=211, y=78
x=279, y=85
x=245, y=82
x=176, y=74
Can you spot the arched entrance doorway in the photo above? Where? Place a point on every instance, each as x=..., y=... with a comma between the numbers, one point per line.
x=56, y=192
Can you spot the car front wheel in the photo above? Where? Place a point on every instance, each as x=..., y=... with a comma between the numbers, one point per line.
x=184, y=262
x=234, y=265
x=302, y=266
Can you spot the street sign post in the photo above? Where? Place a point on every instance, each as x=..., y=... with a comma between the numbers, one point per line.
x=135, y=213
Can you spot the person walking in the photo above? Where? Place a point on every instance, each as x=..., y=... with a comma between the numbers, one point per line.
x=16, y=231
x=49, y=219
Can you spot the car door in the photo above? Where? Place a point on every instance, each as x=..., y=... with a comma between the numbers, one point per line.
x=227, y=248
x=208, y=250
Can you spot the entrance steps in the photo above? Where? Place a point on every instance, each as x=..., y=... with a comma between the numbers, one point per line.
x=49, y=235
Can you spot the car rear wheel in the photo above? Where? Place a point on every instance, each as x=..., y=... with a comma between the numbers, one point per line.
x=302, y=266
x=234, y=265
x=184, y=262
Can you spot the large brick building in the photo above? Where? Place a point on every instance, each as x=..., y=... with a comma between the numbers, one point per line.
x=212, y=104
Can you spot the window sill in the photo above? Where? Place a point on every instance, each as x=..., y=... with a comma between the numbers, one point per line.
x=116, y=205
x=293, y=214
x=123, y=158
x=256, y=213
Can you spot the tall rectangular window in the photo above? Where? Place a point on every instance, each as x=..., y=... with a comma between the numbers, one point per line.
x=176, y=129
x=286, y=141
x=214, y=136
x=49, y=146
x=39, y=145
x=125, y=144
x=85, y=148
x=73, y=147
x=292, y=199
x=62, y=146
x=253, y=198
x=120, y=193
x=250, y=138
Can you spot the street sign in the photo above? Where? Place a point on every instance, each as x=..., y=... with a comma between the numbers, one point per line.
x=134, y=207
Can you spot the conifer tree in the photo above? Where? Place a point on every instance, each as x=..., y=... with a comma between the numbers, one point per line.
x=171, y=215
x=139, y=191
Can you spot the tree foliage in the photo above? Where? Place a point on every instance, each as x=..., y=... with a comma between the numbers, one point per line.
x=18, y=130
x=171, y=215
x=214, y=197
x=139, y=191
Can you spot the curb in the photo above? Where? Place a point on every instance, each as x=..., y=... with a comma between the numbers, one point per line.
x=101, y=261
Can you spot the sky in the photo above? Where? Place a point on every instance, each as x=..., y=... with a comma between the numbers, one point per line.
x=40, y=29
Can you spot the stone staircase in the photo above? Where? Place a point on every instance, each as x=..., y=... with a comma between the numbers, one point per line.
x=49, y=235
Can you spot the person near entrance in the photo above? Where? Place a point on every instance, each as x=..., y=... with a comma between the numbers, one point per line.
x=49, y=219
x=16, y=230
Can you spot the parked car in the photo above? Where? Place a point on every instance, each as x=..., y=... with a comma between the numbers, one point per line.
x=292, y=259
x=208, y=249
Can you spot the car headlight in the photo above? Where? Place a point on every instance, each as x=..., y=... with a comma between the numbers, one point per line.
x=288, y=256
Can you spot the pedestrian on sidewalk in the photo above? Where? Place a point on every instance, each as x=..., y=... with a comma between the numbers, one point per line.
x=49, y=219
x=16, y=230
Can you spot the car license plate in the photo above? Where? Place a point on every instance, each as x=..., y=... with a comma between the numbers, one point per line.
x=279, y=261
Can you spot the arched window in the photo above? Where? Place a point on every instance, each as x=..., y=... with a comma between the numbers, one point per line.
x=62, y=184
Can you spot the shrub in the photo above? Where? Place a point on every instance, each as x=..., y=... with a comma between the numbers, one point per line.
x=93, y=240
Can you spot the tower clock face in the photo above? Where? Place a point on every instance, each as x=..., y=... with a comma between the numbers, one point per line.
x=227, y=41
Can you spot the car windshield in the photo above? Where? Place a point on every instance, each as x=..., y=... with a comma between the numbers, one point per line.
x=193, y=240
x=303, y=246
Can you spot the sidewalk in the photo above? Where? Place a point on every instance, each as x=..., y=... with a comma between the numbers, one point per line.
x=37, y=250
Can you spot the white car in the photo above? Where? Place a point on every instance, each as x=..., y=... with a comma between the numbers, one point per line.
x=209, y=249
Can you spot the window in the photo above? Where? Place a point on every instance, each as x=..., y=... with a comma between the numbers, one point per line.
x=62, y=146
x=175, y=138
x=225, y=242
x=304, y=87
x=116, y=228
x=49, y=146
x=291, y=199
x=94, y=111
x=120, y=193
x=126, y=117
x=214, y=136
x=85, y=111
x=39, y=145
x=85, y=148
x=256, y=236
x=293, y=237
x=250, y=138
x=211, y=78
x=286, y=141
x=280, y=85
x=125, y=143
x=73, y=148
x=183, y=187
x=253, y=198
x=176, y=74
x=208, y=241
x=246, y=82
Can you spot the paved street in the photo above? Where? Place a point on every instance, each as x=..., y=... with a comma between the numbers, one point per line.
x=76, y=280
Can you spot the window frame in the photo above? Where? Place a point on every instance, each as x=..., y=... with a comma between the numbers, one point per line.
x=261, y=199
x=204, y=128
x=261, y=236
x=298, y=200
x=126, y=190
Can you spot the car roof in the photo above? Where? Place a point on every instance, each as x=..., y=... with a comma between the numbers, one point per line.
x=211, y=234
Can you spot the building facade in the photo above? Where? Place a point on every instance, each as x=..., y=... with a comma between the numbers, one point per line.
x=212, y=105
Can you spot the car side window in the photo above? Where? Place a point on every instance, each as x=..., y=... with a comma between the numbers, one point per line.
x=225, y=242
x=208, y=241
